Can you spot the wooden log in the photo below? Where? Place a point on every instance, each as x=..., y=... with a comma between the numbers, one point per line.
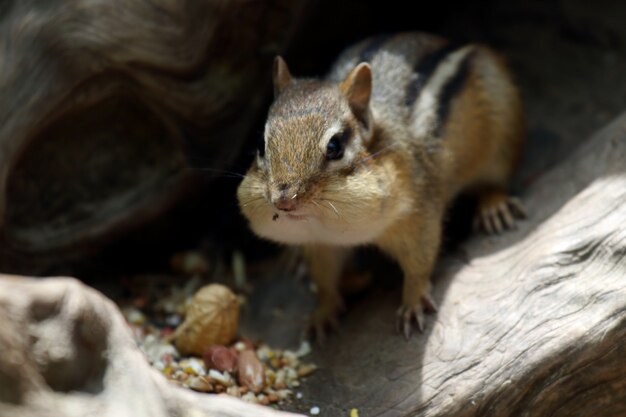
x=531, y=323
x=66, y=351
x=107, y=105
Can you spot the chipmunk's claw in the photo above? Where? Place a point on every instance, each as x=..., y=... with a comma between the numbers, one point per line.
x=498, y=212
x=325, y=317
x=409, y=314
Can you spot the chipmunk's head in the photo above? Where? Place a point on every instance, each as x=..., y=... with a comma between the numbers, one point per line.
x=316, y=134
x=315, y=130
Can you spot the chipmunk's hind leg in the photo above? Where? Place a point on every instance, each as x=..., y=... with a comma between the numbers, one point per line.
x=497, y=211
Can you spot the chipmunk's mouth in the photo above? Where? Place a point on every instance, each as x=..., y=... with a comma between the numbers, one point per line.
x=296, y=216
x=296, y=212
x=290, y=216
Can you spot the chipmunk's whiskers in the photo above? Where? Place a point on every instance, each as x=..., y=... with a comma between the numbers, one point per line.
x=375, y=154
x=316, y=203
x=333, y=206
x=252, y=200
x=223, y=173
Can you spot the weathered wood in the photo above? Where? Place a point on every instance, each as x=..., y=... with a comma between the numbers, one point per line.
x=66, y=351
x=531, y=323
x=102, y=102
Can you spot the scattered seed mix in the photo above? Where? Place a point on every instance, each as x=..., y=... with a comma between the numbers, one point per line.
x=254, y=373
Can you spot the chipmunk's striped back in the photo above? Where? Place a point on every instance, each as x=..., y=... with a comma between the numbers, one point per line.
x=418, y=80
x=416, y=75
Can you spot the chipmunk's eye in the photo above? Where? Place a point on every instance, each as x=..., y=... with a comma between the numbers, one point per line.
x=261, y=147
x=334, y=149
x=337, y=144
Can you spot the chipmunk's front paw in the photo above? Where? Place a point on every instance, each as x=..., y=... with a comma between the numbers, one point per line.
x=325, y=316
x=414, y=313
x=497, y=212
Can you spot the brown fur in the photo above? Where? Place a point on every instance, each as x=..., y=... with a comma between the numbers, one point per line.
x=398, y=175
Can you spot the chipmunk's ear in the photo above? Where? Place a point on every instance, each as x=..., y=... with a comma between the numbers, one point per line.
x=281, y=75
x=357, y=87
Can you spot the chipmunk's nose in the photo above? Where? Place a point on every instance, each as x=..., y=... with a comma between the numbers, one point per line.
x=286, y=204
x=285, y=199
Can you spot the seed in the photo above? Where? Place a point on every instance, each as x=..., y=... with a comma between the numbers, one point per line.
x=306, y=369
x=221, y=358
x=212, y=318
x=200, y=384
x=251, y=371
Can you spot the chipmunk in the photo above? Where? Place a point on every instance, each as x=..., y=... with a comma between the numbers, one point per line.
x=374, y=153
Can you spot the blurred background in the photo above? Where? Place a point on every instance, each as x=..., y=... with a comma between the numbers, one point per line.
x=125, y=125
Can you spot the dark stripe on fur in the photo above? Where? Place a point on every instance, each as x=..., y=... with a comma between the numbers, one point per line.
x=451, y=90
x=372, y=47
x=424, y=69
